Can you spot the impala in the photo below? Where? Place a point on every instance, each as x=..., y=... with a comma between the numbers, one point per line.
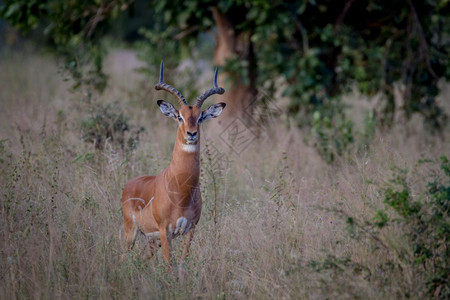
x=169, y=204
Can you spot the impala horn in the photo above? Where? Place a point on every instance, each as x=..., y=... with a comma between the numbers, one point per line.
x=165, y=87
x=215, y=90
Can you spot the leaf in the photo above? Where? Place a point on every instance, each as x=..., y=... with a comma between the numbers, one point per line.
x=12, y=10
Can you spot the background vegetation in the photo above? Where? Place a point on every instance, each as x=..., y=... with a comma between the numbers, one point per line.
x=342, y=188
x=319, y=50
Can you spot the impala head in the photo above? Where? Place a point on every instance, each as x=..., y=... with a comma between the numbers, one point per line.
x=189, y=117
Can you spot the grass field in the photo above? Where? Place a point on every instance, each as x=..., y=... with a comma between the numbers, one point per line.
x=282, y=227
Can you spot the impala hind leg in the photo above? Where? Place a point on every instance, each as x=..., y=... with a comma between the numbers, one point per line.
x=129, y=239
x=130, y=232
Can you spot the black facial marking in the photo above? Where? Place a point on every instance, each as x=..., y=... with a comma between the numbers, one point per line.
x=190, y=107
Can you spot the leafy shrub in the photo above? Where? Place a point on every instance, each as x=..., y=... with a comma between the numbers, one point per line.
x=332, y=134
x=424, y=221
x=427, y=225
x=108, y=123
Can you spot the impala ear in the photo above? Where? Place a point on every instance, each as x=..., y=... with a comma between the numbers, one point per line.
x=212, y=112
x=167, y=109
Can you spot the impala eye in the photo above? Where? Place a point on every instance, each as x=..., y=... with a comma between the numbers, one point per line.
x=180, y=119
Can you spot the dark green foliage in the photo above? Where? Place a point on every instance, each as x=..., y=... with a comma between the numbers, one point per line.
x=322, y=47
x=73, y=29
x=108, y=123
x=398, y=195
x=445, y=165
x=381, y=218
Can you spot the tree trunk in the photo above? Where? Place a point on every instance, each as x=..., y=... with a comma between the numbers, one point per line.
x=239, y=96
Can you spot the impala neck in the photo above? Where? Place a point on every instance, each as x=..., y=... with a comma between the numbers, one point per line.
x=186, y=160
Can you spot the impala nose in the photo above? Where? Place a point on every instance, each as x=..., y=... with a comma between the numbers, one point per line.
x=192, y=134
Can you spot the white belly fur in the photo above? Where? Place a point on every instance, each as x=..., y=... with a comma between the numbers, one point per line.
x=153, y=235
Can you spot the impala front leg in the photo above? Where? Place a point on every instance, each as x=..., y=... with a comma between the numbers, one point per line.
x=166, y=245
x=187, y=244
x=152, y=246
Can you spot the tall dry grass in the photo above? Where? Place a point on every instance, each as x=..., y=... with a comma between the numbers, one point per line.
x=280, y=229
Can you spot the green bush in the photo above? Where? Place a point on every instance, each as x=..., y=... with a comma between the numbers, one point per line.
x=409, y=236
x=423, y=218
x=427, y=225
x=108, y=123
x=331, y=134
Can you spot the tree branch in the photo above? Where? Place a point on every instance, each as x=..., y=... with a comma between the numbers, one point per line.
x=341, y=17
x=304, y=34
x=422, y=40
x=186, y=32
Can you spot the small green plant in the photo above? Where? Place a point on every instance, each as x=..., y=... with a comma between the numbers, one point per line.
x=398, y=195
x=108, y=123
x=332, y=134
